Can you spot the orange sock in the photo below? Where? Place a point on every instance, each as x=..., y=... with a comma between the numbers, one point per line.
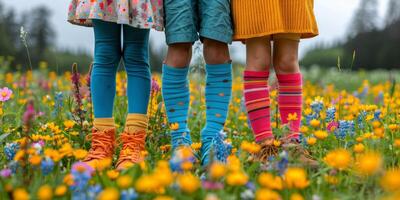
x=103, y=124
x=136, y=122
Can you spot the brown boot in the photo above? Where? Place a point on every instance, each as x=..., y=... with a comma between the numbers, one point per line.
x=297, y=151
x=132, y=146
x=267, y=150
x=103, y=144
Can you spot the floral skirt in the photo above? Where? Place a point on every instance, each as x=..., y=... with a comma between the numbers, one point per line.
x=137, y=13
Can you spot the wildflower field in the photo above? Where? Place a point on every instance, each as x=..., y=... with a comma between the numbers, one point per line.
x=350, y=125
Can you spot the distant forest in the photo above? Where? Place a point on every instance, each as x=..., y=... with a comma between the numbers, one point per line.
x=366, y=46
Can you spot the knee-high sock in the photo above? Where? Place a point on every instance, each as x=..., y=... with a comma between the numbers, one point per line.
x=107, y=56
x=136, y=59
x=175, y=91
x=256, y=94
x=218, y=95
x=290, y=100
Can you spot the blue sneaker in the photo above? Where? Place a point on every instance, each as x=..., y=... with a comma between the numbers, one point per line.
x=214, y=149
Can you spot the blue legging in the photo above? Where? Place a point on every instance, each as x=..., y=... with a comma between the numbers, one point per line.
x=107, y=56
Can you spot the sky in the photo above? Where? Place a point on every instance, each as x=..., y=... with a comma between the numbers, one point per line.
x=333, y=16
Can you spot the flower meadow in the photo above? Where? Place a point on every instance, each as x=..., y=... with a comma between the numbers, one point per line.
x=350, y=126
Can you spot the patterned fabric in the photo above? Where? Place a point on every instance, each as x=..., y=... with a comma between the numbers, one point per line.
x=137, y=13
x=218, y=95
x=290, y=100
x=175, y=92
x=256, y=94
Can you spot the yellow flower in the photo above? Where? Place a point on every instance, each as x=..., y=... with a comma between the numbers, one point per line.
x=74, y=133
x=359, y=148
x=102, y=164
x=391, y=180
x=217, y=170
x=269, y=181
x=397, y=143
x=45, y=192
x=187, y=165
x=237, y=178
x=331, y=179
x=295, y=178
x=250, y=147
x=35, y=160
x=19, y=155
x=124, y=181
x=60, y=190
x=147, y=184
x=369, y=163
x=266, y=194
x=320, y=134
x=196, y=146
x=68, y=179
x=304, y=129
x=292, y=117
x=394, y=127
x=277, y=143
x=112, y=174
x=311, y=141
x=376, y=124
x=20, y=194
x=296, y=196
x=339, y=159
x=315, y=123
x=69, y=124
x=80, y=154
x=109, y=194
x=188, y=182
x=174, y=126
x=163, y=198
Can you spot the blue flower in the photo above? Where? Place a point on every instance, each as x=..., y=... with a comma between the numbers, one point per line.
x=10, y=150
x=317, y=106
x=377, y=115
x=93, y=191
x=81, y=173
x=47, y=166
x=330, y=114
x=58, y=103
x=346, y=127
x=129, y=194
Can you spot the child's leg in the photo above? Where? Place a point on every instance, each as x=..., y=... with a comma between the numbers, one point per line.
x=181, y=31
x=106, y=59
x=256, y=90
x=290, y=80
x=175, y=91
x=216, y=31
x=136, y=59
x=218, y=94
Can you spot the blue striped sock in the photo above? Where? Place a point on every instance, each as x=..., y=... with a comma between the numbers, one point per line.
x=175, y=91
x=218, y=95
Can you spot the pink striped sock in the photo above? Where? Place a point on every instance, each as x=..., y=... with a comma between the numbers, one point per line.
x=256, y=94
x=290, y=100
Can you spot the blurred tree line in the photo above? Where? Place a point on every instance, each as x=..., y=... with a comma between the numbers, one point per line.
x=41, y=44
x=367, y=45
x=39, y=39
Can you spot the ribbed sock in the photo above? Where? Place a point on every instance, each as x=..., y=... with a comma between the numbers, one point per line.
x=290, y=100
x=136, y=122
x=175, y=91
x=218, y=95
x=103, y=124
x=256, y=93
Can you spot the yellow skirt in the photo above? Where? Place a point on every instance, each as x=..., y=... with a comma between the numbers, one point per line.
x=257, y=18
